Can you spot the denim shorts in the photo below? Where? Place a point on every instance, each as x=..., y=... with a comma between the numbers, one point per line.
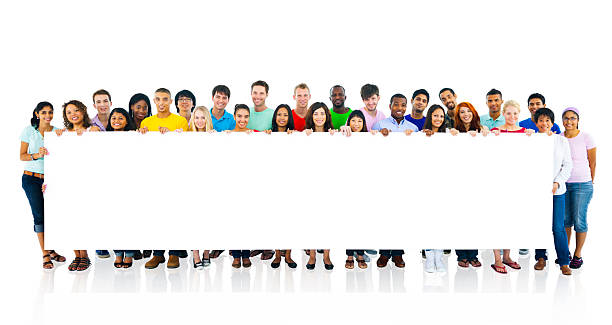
x=577, y=199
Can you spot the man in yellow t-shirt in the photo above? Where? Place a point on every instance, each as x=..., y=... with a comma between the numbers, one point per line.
x=163, y=121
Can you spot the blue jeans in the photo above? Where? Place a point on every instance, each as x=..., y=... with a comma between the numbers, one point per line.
x=33, y=190
x=391, y=252
x=466, y=254
x=161, y=252
x=577, y=199
x=351, y=252
x=237, y=253
x=126, y=253
x=559, y=234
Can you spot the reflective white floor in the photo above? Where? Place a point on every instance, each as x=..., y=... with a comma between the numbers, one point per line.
x=219, y=291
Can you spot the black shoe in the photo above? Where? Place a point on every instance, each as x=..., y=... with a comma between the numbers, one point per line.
x=275, y=265
x=320, y=251
x=329, y=266
x=447, y=251
x=423, y=253
x=182, y=254
x=137, y=255
x=292, y=265
x=310, y=266
x=146, y=253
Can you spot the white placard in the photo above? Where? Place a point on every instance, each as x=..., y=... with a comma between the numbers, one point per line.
x=189, y=190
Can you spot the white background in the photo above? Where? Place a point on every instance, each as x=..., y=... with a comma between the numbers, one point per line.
x=58, y=51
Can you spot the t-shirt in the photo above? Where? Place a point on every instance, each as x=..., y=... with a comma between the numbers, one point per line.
x=521, y=130
x=226, y=122
x=172, y=122
x=260, y=121
x=370, y=121
x=528, y=124
x=581, y=172
x=490, y=123
x=339, y=120
x=450, y=122
x=35, y=140
x=391, y=124
x=419, y=123
x=298, y=122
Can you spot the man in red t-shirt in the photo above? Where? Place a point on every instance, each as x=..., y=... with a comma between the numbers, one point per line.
x=301, y=95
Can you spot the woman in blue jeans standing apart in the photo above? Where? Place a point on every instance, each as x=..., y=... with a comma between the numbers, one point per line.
x=580, y=183
x=32, y=151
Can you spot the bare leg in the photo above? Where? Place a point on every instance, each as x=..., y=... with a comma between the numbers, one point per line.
x=206, y=254
x=569, y=234
x=288, y=256
x=196, y=256
x=313, y=256
x=326, y=258
x=507, y=258
x=277, y=256
x=497, y=255
x=580, y=239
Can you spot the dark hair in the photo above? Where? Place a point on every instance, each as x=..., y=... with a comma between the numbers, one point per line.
x=397, y=96
x=261, y=83
x=544, y=112
x=445, y=89
x=369, y=90
x=420, y=92
x=101, y=92
x=221, y=89
x=163, y=90
x=130, y=126
x=184, y=93
x=360, y=115
x=429, y=122
x=81, y=107
x=494, y=92
x=35, y=120
x=336, y=86
x=536, y=96
x=135, y=99
x=309, y=122
x=290, y=123
x=241, y=106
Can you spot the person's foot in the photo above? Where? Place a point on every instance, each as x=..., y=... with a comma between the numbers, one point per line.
x=154, y=262
x=382, y=261
x=291, y=263
x=576, y=262
x=565, y=270
x=475, y=263
x=118, y=262
x=215, y=253
x=512, y=264
x=398, y=261
x=47, y=264
x=350, y=263
x=246, y=262
x=267, y=254
x=56, y=257
x=276, y=262
x=312, y=261
x=540, y=264
x=84, y=264
x=236, y=263
x=74, y=264
x=102, y=253
x=463, y=263
x=361, y=262
x=256, y=252
x=127, y=262
x=173, y=262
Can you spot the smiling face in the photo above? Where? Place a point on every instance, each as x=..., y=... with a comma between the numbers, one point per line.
x=419, y=103
x=534, y=105
x=185, y=104
x=74, y=114
x=199, y=120
x=162, y=101
x=102, y=104
x=282, y=117
x=544, y=124
x=140, y=109
x=259, y=95
x=301, y=97
x=118, y=121
x=448, y=99
x=220, y=100
x=465, y=115
x=494, y=102
x=398, y=107
x=337, y=97
x=45, y=115
x=356, y=124
x=242, y=118
x=319, y=117
x=570, y=121
x=371, y=102
x=511, y=114
x=437, y=117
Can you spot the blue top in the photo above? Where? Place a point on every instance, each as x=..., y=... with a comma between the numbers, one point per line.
x=528, y=124
x=391, y=124
x=226, y=122
x=35, y=140
x=490, y=123
x=419, y=123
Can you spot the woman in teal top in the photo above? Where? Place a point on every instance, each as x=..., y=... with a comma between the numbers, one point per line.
x=32, y=151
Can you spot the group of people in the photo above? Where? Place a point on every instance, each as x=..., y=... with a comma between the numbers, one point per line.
x=572, y=184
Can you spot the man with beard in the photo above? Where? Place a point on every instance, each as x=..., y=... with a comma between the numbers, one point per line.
x=419, y=101
x=494, y=119
x=301, y=95
x=339, y=112
x=449, y=99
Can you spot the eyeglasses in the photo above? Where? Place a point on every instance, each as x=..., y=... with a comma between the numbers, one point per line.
x=572, y=118
x=184, y=99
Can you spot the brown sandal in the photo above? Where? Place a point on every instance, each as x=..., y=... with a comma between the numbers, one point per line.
x=362, y=263
x=463, y=263
x=350, y=264
x=475, y=263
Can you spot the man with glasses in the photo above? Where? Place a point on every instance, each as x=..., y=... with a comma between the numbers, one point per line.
x=185, y=101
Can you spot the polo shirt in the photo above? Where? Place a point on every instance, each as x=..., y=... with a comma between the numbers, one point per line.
x=339, y=120
x=529, y=124
x=260, y=121
x=370, y=121
x=419, y=123
x=298, y=123
x=172, y=122
x=35, y=140
x=226, y=122
x=490, y=123
x=391, y=124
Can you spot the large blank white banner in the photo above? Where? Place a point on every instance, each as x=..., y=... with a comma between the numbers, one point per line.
x=125, y=190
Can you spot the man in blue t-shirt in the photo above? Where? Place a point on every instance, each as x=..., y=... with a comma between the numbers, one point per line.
x=419, y=101
x=222, y=120
x=535, y=102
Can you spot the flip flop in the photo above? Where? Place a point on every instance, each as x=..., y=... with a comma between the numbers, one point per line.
x=499, y=269
x=513, y=265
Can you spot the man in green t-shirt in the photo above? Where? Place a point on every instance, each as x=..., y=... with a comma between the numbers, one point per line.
x=339, y=112
x=261, y=115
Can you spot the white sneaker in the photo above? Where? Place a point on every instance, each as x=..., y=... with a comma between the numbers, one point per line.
x=439, y=263
x=430, y=265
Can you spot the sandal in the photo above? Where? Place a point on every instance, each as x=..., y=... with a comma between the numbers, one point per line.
x=74, y=265
x=255, y=252
x=499, y=269
x=127, y=265
x=463, y=263
x=84, y=264
x=513, y=265
x=57, y=257
x=350, y=264
x=267, y=254
x=236, y=263
x=47, y=265
x=475, y=263
x=246, y=262
x=362, y=263
x=215, y=253
x=576, y=262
